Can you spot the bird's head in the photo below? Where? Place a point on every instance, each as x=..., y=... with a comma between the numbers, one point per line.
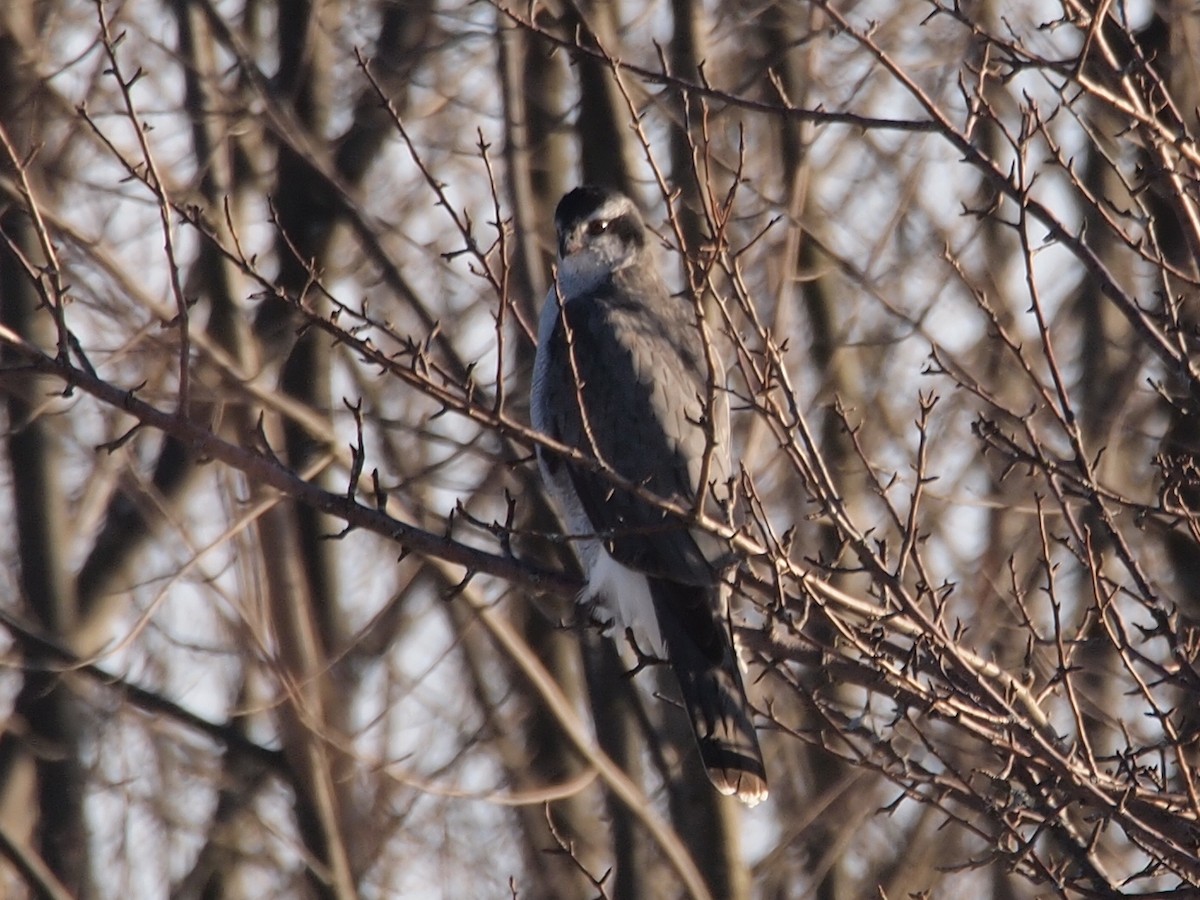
x=599, y=230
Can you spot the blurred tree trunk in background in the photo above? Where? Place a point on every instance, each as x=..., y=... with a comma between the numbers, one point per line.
x=286, y=611
x=42, y=771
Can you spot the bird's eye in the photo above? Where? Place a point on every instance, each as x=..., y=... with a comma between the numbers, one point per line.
x=597, y=226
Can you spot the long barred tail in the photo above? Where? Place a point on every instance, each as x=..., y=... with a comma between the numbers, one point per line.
x=710, y=679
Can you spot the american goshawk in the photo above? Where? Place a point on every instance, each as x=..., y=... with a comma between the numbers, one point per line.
x=621, y=376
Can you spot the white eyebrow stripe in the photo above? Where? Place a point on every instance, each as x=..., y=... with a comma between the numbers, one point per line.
x=617, y=206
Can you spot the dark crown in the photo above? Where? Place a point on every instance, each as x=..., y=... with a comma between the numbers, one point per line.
x=580, y=203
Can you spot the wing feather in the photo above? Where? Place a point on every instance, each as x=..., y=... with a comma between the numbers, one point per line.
x=626, y=381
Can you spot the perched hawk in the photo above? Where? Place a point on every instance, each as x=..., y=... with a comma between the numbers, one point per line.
x=621, y=376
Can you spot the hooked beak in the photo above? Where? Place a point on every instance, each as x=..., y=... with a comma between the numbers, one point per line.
x=570, y=243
